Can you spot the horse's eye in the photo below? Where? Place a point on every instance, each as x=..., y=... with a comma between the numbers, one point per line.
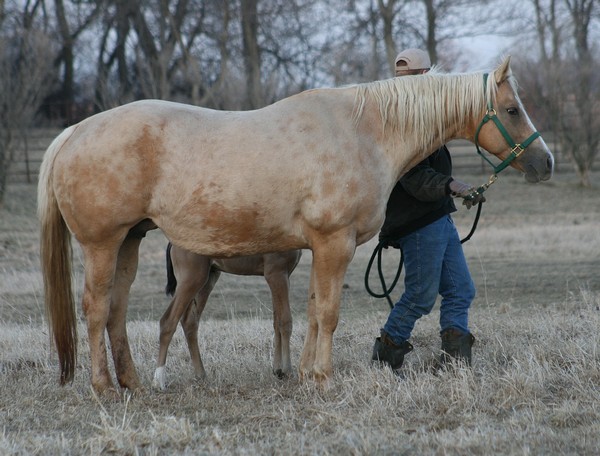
x=513, y=111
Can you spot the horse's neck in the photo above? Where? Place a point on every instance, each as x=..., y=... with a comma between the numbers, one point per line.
x=404, y=153
x=407, y=142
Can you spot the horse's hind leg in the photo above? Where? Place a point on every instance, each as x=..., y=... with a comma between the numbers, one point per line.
x=127, y=264
x=191, y=320
x=278, y=281
x=100, y=263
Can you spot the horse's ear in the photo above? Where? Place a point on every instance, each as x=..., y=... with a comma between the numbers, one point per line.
x=503, y=71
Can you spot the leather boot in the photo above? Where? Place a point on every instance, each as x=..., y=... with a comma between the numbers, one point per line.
x=387, y=352
x=456, y=346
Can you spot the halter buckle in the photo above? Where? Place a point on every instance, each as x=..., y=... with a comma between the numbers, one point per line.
x=518, y=147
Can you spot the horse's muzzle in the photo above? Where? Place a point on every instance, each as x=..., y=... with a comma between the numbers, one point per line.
x=537, y=172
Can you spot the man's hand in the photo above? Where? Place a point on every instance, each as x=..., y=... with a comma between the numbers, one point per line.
x=473, y=200
x=471, y=197
x=460, y=189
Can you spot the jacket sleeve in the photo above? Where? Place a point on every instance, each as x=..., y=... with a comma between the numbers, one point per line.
x=426, y=184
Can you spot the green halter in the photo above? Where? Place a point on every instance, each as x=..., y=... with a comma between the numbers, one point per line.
x=516, y=149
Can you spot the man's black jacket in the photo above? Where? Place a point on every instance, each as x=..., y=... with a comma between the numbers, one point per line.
x=420, y=197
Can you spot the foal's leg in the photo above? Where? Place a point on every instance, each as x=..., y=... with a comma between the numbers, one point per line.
x=191, y=271
x=331, y=256
x=100, y=263
x=127, y=264
x=279, y=283
x=191, y=319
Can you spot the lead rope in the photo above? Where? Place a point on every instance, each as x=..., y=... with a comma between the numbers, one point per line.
x=383, y=245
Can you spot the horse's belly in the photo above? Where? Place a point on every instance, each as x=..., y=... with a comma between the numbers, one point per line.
x=222, y=230
x=225, y=243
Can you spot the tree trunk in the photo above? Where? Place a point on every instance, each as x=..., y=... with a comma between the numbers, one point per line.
x=67, y=59
x=431, y=30
x=387, y=15
x=252, y=65
x=4, y=168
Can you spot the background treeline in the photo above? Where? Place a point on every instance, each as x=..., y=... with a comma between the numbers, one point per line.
x=61, y=60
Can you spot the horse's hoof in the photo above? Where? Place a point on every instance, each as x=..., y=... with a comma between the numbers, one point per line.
x=200, y=377
x=305, y=375
x=109, y=394
x=133, y=386
x=280, y=374
x=322, y=380
x=128, y=394
x=105, y=389
x=160, y=378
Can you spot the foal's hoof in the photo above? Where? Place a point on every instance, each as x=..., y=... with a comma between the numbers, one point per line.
x=280, y=374
x=160, y=378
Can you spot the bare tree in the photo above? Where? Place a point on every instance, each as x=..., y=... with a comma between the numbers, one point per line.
x=71, y=21
x=181, y=50
x=387, y=26
x=281, y=49
x=109, y=93
x=568, y=85
x=581, y=122
x=25, y=79
x=157, y=44
x=367, y=38
x=249, y=22
x=388, y=12
x=209, y=73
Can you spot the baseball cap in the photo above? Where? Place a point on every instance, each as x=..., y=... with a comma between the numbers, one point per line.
x=413, y=59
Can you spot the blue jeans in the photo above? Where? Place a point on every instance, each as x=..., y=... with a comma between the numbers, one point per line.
x=434, y=263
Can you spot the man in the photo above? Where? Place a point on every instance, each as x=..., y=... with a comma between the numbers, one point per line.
x=418, y=221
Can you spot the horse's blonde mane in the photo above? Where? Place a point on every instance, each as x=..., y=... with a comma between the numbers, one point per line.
x=411, y=103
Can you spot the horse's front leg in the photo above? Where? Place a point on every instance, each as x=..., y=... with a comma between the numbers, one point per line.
x=127, y=264
x=307, y=359
x=331, y=256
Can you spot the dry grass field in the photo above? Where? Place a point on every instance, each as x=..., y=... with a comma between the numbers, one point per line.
x=534, y=387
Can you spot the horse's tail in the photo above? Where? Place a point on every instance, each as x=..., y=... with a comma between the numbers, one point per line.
x=171, y=279
x=55, y=255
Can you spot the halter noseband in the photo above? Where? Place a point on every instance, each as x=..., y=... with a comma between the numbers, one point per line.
x=516, y=148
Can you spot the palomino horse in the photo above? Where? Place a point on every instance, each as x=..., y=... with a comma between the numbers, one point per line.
x=190, y=275
x=311, y=171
